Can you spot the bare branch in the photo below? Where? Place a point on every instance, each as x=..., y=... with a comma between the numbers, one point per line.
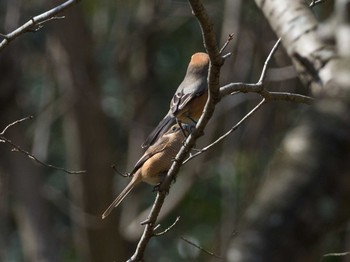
x=201, y=151
x=245, y=87
x=267, y=61
x=336, y=254
x=229, y=39
x=35, y=23
x=315, y=2
x=149, y=228
x=15, y=123
x=40, y=25
x=289, y=97
x=168, y=229
x=29, y=155
x=259, y=88
x=200, y=248
x=234, y=88
x=226, y=56
x=114, y=167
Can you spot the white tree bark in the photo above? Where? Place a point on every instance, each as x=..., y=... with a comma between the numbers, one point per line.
x=306, y=191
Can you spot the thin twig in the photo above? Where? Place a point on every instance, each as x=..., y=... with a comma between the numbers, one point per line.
x=267, y=61
x=41, y=24
x=29, y=155
x=289, y=97
x=234, y=88
x=226, y=55
x=315, y=2
x=167, y=229
x=258, y=87
x=200, y=248
x=201, y=151
x=15, y=123
x=229, y=39
x=336, y=254
x=36, y=22
x=114, y=167
x=155, y=228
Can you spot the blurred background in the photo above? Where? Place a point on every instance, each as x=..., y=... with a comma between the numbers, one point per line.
x=97, y=82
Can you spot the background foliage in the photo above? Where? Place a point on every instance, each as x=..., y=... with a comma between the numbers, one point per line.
x=97, y=82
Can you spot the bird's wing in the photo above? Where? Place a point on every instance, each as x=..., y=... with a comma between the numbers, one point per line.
x=186, y=94
x=161, y=129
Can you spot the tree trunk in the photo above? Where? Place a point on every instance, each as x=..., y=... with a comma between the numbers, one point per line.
x=307, y=190
x=87, y=142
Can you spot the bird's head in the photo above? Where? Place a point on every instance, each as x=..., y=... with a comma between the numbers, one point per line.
x=199, y=64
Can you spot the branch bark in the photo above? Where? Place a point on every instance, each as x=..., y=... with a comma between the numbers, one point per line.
x=296, y=25
x=36, y=22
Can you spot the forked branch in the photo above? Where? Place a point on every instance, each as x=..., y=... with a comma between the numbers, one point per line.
x=17, y=148
x=36, y=23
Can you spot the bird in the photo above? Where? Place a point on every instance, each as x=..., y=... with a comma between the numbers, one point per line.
x=187, y=104
x=153, y=166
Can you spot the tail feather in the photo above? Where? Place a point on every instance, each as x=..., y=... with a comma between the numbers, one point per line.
x=162, y=128
x=121, y=196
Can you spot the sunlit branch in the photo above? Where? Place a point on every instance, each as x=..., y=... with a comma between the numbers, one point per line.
x=15, y=123
x=201, y=151
x=259, y=87
x=315, y=2
x=267, y=61
x=167, y=229
x=342, y=254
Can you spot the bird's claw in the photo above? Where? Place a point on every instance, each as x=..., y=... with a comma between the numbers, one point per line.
x=157, y=188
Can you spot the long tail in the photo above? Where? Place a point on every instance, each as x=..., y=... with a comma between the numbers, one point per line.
x=162, y=127
x=135, y=180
